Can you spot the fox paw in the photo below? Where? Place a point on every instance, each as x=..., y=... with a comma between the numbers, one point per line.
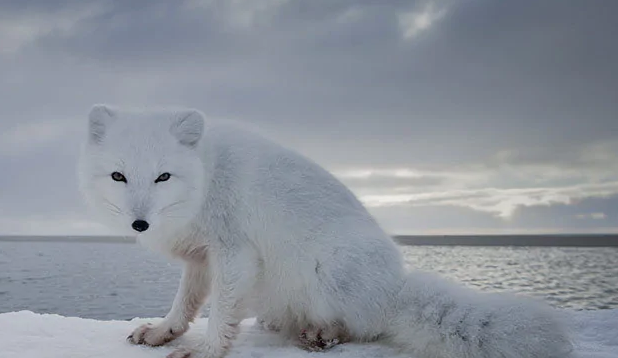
x=155, y=335
x=317, y=340
x=200, y=351
x=181, y=353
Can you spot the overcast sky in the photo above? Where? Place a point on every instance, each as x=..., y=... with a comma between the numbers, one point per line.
x=470, y=116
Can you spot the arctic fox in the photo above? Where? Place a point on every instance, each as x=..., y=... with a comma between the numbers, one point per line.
x=265, y=232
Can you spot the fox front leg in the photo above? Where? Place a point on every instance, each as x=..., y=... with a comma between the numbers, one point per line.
x=234, y=275
x=192, y=293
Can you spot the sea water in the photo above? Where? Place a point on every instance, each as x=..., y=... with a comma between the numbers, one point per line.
x=122, y=281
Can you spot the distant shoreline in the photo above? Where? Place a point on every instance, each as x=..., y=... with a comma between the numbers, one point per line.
x=574, y=240
x=76, y=239
x=555, y=240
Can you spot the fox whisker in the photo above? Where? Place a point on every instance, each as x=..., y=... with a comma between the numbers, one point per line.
x=169, y=206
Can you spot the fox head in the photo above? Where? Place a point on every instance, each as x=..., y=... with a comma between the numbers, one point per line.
x=142, y=171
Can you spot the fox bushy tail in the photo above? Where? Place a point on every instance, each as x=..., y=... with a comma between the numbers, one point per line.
x=436, y=318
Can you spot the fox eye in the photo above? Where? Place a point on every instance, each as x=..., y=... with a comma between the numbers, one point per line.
x=116, y=176
x=163, y=177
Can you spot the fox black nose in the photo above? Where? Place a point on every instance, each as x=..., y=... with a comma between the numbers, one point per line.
x=140, y=225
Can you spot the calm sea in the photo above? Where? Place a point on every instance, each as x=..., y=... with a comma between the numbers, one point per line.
x=122, y=281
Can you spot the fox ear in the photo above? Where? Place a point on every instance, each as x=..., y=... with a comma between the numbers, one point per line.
x=99, y=119
x=188, y=128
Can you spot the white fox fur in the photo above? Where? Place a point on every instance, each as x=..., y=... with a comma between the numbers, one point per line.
x=264, y=231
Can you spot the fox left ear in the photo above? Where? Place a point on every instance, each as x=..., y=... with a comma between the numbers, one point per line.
x=188, y=128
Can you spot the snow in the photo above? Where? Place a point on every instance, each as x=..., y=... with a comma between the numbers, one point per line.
x=27, y=334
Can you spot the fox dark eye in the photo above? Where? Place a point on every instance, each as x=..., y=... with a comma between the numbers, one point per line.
x=118, y=177
x=163, y=177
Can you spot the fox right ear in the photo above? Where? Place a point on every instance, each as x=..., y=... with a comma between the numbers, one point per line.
x=100, y=117
x=188, y=128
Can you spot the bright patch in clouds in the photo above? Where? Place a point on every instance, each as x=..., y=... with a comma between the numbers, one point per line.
x=499, y=186
x=474, y=188
x=500, y=202
x=367, y=173
x=594, y=216
x=415, y=22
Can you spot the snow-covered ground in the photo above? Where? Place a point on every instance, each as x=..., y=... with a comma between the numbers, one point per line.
x=29, y=335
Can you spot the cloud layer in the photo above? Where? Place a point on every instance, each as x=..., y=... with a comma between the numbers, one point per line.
x=470, y=115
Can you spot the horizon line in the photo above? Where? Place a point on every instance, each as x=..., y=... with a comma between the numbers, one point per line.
x=519, y=240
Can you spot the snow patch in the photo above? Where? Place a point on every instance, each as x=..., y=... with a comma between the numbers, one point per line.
x=27, y=334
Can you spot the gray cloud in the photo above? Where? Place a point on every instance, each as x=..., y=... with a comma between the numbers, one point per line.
x=500, y=202
x=505, y=100
x=556, y=218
